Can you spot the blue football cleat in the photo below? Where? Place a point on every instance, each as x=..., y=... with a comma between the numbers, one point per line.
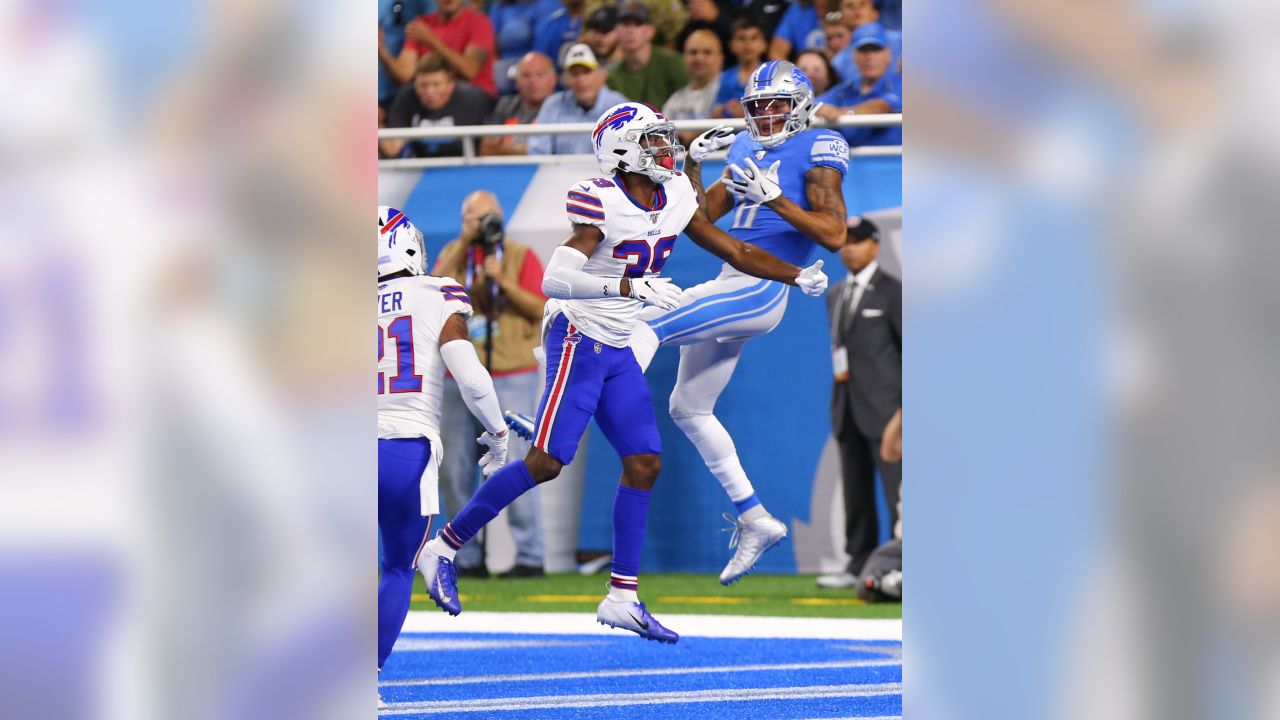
x=442, y=580
x=520, y=424
x=634, y=617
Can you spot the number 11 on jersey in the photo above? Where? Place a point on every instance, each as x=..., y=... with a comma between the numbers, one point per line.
x=745, y=216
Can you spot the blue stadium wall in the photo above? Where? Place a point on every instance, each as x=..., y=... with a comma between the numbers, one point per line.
x=776, y=406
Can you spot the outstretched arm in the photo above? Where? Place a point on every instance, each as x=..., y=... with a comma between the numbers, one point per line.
x=742, y=256
x=825, y=222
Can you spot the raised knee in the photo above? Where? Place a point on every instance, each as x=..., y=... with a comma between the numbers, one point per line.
x=643, y=470
x=679, y=408
x=682, y=411
x=542, y=467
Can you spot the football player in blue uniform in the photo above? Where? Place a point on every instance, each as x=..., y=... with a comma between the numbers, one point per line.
x=783, y=185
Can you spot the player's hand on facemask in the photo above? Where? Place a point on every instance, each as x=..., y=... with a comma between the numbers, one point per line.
x=812, y=281
x=756, y=185
x=496, y=457
x=717, y=138
x=656, y=291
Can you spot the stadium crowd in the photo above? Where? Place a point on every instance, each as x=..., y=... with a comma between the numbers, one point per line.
x=470, y=62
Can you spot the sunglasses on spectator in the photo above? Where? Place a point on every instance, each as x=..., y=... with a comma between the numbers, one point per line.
x=832, y=17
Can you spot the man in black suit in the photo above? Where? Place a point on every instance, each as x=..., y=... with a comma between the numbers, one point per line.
x=866, y=340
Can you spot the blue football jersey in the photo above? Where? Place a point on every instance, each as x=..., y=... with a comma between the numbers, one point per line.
x=761, y=226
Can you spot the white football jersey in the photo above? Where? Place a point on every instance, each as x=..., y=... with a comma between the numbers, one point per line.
x=637, y=242
x=411, y=313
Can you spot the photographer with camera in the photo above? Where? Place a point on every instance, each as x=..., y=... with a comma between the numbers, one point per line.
x=504, y=280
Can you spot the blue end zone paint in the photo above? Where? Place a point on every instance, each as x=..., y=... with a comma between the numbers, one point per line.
x=441, y=657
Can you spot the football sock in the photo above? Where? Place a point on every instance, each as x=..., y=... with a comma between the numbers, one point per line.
x=630, y=512
x=644, y=343
x=751, y=509
x=499, y=491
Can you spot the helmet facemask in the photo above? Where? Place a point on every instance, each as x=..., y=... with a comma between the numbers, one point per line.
x=769, y=124
x=661, y=155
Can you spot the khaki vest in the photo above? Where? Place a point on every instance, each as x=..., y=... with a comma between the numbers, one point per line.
x=515, y=336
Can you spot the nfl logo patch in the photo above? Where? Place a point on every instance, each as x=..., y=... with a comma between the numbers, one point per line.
x=653, y=218
x=598, y=348
x=760, y=154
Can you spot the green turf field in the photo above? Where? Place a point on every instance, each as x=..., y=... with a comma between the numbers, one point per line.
x=781, y=595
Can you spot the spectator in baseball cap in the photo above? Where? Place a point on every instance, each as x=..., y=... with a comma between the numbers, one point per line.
x=600, y=33
x=875, y=89
x=583, y=100
x=648, y=73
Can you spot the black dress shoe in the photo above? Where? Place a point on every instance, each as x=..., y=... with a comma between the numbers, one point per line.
x=479, y=571
x=523, y=571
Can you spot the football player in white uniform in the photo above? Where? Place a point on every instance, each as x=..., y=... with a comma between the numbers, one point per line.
x=625, y=227
x=422, y=321
x=789, y=204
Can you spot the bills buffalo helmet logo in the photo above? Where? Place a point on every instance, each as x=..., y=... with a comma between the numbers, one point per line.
x=615, y=120
x=394, y=218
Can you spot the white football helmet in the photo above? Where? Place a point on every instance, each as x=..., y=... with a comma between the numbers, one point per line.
x=400, y=244
x=634, y=137
x=774, y=81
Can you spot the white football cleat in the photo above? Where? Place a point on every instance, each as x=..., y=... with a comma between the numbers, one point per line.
x=634, y=616
x=751, y=539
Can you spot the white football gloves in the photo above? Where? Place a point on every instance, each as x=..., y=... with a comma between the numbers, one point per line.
x=717, y=138
x=656, y=291
x=756, y=185
x=812, y=281
x=497, y=455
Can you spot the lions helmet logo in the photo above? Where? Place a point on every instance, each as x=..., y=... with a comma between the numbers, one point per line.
x=615, y=121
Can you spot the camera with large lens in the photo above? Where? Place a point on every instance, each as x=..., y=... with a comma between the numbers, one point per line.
x=491, y=232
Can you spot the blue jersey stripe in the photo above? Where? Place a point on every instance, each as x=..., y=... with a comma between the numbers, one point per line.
x=709, y=301
x=583, y=197
x=584, y=212
x=717, y=320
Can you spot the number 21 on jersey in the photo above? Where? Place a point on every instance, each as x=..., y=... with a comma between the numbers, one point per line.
x=400, y=331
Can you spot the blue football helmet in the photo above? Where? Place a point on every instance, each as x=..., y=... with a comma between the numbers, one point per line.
x=773, y=82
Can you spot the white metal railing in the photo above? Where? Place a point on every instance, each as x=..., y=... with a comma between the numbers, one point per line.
x=459, y=161
x=468, y=134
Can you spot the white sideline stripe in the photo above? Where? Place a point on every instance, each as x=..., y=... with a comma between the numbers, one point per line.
x=640, y=672
x=721, y=626
x=802, y=692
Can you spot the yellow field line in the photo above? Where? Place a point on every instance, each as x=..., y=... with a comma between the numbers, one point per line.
x=560, y=598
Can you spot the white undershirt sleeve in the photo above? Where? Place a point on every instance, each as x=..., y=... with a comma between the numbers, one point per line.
x=565, y=280
x=474, y=382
